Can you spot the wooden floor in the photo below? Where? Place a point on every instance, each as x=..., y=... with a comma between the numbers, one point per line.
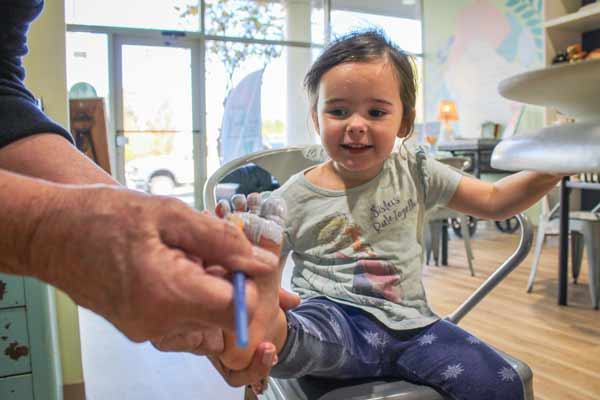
x=560, y=344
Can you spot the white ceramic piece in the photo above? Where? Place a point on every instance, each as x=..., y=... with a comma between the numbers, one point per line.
x=569, y=149
x=573, y=89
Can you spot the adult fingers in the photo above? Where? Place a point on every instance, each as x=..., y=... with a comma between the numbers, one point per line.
x=202, y=299
x=288, y=300
x=172, y=294
x=201, y=342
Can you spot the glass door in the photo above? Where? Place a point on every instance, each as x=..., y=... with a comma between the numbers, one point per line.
x=158, y=116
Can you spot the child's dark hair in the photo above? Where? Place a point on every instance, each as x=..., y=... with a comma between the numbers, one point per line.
x=365, y=46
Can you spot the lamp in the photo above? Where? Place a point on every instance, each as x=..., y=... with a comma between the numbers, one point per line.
x=446, y=113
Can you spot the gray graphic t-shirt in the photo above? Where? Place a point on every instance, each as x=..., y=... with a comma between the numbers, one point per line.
x=362, y=246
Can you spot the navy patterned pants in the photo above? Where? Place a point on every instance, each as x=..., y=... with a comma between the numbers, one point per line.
x=328, y=339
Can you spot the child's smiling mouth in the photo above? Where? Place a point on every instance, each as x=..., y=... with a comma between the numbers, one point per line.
x=356, y=148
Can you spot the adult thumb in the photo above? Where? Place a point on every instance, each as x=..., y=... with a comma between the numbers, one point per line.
x=288, y=300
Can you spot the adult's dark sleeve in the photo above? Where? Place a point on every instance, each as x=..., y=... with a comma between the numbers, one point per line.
x=19, y=114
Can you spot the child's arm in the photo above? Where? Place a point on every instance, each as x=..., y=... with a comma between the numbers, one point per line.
x=503, y=199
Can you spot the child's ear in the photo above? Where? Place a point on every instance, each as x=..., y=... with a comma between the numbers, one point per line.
x=408, y=122
x=315, y=118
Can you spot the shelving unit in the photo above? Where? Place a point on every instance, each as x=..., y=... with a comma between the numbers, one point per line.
x=578, y=22
x=574, y=90
x=565, y=24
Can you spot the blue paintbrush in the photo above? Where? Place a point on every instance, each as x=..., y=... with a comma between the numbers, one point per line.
x=240, y=310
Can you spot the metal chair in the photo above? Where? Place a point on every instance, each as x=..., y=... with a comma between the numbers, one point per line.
x=584, y=227
x=283, y=163
x=439, y=216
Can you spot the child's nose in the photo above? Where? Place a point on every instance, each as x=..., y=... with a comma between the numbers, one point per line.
x=356, y=125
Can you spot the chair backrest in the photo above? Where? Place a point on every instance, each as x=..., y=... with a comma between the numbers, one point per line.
x=460, y=163
x=551, y=201
x=550, y=205
x=281, y=163
x=591, y=178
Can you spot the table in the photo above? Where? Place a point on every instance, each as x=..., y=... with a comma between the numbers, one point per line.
x=479, y=151
x=563, y=254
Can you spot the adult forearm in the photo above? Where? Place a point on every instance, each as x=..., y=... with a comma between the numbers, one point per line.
x=23, y=202
x=518, y=192
x=51, y=157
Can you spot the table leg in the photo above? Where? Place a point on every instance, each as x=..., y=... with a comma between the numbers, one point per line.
x=563, y=253
x=445, y=242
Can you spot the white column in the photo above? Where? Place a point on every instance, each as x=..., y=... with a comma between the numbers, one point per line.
x=298, y=126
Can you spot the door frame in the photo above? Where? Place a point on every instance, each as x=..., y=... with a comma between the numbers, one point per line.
x=195, y=44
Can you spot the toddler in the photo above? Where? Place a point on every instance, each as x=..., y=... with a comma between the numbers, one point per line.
x=354, y=229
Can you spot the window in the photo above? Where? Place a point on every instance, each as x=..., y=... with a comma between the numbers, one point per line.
x=301, y=21
x=180, y=15
x=256, y=54
x=400, y=20
x=249, y=110
x=87, y=61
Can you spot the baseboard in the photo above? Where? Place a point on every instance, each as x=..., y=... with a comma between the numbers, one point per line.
x=75, y=391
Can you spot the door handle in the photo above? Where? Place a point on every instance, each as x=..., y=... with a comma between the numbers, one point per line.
x=121, y=140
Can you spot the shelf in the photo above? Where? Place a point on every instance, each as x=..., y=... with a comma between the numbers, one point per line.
x=584, y=20
x=573, y=89
x=569, y=149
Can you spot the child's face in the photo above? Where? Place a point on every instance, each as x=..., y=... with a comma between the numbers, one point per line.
x=359, y=116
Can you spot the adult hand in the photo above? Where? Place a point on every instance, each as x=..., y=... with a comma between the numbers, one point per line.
x=209, y=341
x=263, y=360
x=139, y=260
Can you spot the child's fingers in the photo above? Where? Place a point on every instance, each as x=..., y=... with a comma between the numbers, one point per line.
x=263, y=360
x=265, y=230
x=223, y=208
x=254, y=201
x=274, y=209
x=259, y=387
x=239, y=202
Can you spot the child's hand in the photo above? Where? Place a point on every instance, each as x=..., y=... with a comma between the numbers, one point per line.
x=262, y=222
x=255, y=375
x=260, y=386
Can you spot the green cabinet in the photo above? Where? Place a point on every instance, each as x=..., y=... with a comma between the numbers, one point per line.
x=29, y=357
x=16, y=388
x=14, y=342
x=12, y=292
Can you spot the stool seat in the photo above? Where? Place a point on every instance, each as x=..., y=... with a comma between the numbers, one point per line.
x=584, y=216
x=310, y=388
x=313, y=388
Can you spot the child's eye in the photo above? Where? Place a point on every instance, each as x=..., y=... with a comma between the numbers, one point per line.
x=376, y=113
x=337, y=112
